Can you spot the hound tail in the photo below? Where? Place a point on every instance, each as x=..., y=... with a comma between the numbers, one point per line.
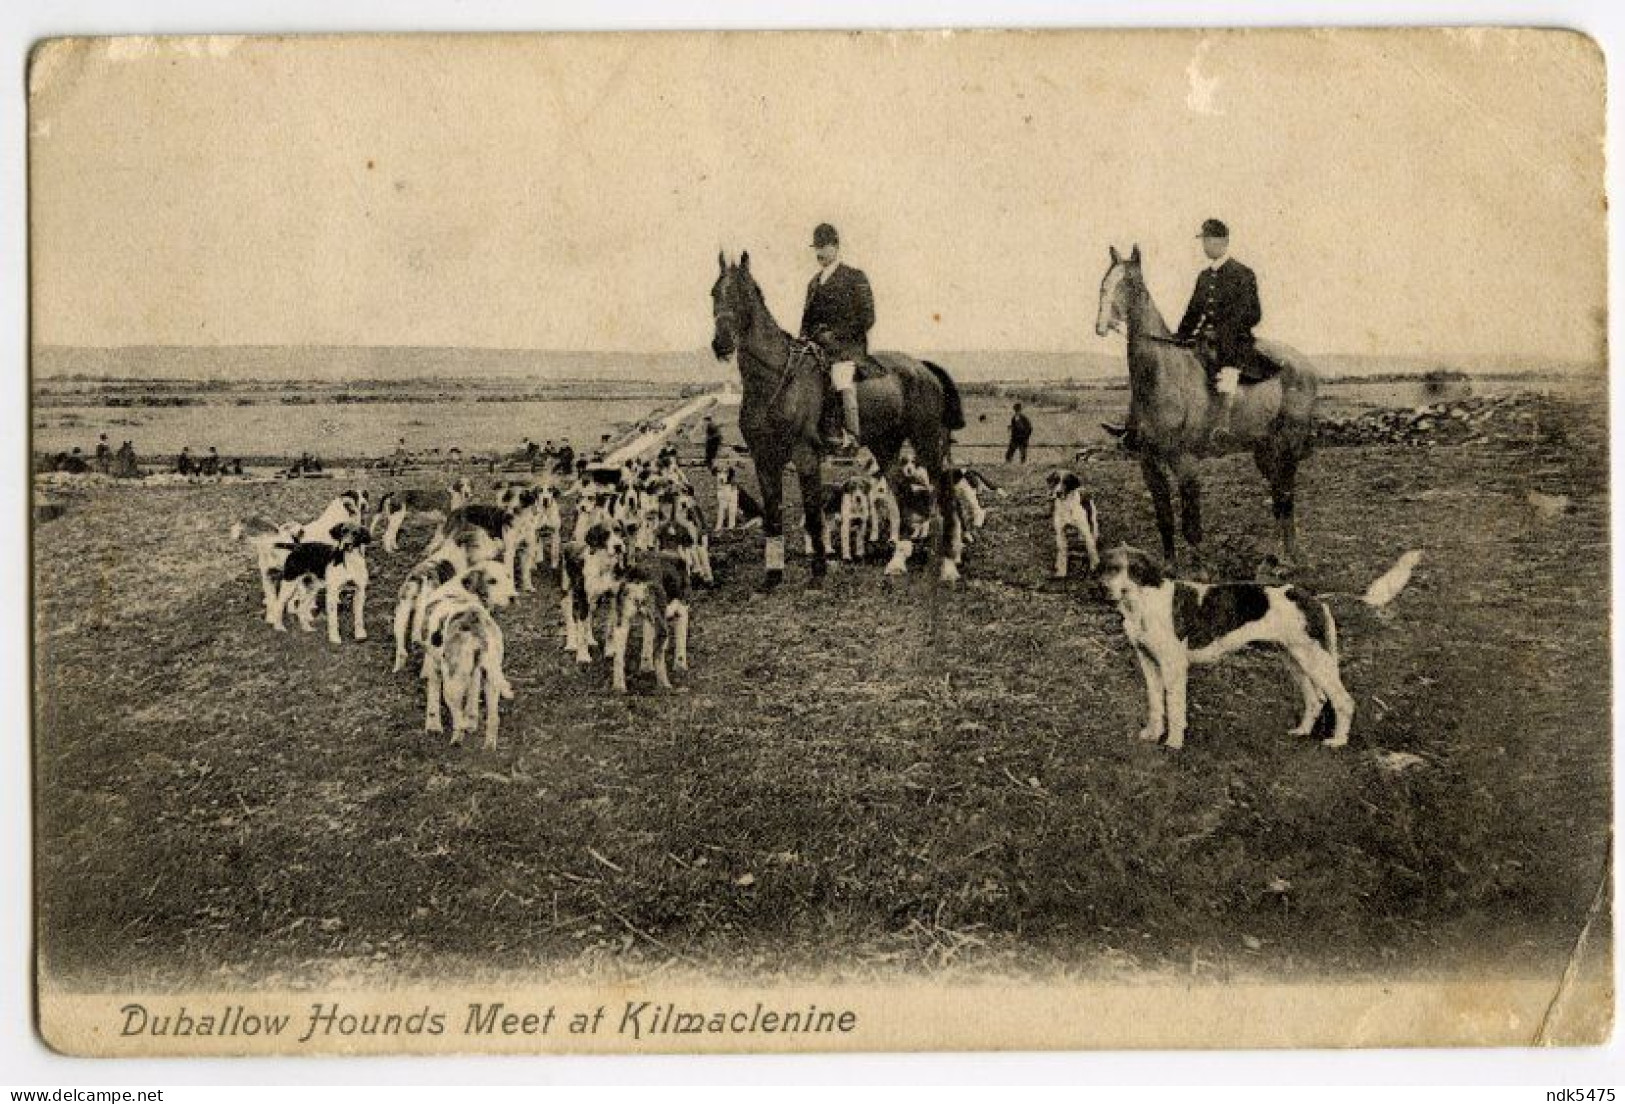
x=236, y=530
x=1383, y=590
x=1388, y=586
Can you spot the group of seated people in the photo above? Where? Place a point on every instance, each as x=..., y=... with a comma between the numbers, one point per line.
x=210, y=465
x=120, y=463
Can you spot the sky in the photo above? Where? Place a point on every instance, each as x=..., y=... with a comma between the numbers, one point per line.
x=1399, y=193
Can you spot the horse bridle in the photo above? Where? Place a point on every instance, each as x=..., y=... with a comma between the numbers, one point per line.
x=790, y=363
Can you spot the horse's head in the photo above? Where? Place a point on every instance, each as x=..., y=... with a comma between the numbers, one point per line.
x=734, y=301
x=1121, y=279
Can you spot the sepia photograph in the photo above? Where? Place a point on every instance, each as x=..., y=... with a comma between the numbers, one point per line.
x=811, y=541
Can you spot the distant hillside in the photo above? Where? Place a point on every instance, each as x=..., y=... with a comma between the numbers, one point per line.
x=349, y=363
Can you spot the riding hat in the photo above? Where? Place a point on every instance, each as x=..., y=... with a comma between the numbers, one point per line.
x=825, y=235
x=1213, y=228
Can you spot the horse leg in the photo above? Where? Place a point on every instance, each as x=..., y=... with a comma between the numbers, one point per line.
x=770, y=477
x=1162, y=501
x=948, y=544
x=812, y=515
x=1280, y=468
x=1190, y=503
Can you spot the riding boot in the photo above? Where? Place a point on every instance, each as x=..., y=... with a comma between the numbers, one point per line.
x=849, y=411
x=830, y=428
x=1221, y=421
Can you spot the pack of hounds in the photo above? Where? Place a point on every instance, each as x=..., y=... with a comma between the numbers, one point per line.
x=639, y=544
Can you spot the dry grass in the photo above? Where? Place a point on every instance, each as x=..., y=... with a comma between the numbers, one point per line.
x=881, y=776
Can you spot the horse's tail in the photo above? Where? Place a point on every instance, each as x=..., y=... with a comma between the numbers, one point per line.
x=953, y=410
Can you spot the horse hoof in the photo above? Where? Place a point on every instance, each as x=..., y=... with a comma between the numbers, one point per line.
x=770, y=581
x=950, y=573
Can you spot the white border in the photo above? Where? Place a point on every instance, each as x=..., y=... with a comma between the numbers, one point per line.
x=25, y=1062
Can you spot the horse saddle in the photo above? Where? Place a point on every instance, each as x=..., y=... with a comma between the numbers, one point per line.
x=1254, y=363
x=865, y=366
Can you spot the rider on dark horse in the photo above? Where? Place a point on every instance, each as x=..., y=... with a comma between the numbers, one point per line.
x=839, y=312
x=1219, y=322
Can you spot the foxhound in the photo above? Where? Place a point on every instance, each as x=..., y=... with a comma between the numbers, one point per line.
x=655, y=592
x=846, y=518
x=349, y=508
x=451, y=559
x=270, y=543
x=500, y=523
x=1072, y=509
x=916, y=502
x=531, y=508
x=313, y=567
x=592, y=569
x=681, y=531
x=463, y=652
x=394, y=507
x=727, y=499
x=1173, y=623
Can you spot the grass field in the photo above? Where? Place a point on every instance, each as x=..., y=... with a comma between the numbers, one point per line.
x=882, y=776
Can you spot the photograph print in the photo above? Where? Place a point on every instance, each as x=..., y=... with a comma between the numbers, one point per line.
x=717, y=542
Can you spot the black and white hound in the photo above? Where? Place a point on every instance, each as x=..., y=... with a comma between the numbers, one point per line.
x=270, y=543
x=654, y=591
x=463, y=652
x=1071, y=509
x=349, y=508
x=1174, y=623
x=450, y=559
x=592, y=570
x=395, y=506
x=313, y=567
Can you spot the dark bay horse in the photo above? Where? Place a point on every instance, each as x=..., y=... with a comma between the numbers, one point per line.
x=914, y=402
x=1173, y=408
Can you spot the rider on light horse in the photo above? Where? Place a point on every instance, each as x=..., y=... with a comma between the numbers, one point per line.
x=1219, y=322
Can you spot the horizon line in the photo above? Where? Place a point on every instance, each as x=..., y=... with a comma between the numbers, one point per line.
x=702, y=350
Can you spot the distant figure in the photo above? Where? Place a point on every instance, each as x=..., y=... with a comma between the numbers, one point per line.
x=532, y=451
x=567, y=458
x=237, y=466
x=210, y=464
x=124, y=465
x=104, y=455
x=400, y=460
x=1021, y=432
x=183, y=462
x=713, y=442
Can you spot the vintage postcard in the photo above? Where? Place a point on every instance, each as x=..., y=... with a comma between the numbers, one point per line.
x=798, y=542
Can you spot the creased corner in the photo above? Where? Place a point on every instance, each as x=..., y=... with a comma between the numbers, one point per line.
x=1548, y=1034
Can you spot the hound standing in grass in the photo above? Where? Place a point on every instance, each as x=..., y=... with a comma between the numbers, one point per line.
x=349, y=508
x=463, y=653
x=313, y=567
x=394, y=507
x=1173, y=624
x=449, y=560
x=592, y=570
x=655, y=592
x=270, y=543
x=1072, y=510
